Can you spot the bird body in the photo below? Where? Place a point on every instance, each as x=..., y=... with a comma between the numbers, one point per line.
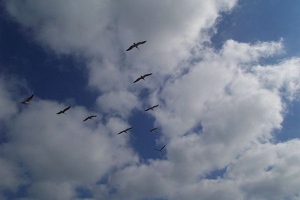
x=142, y=77
x=152, y=108
x=135, y=45
x=89, y=117
x=64, y=110
x=125, y=131
x=161, y=148
x=27, y=101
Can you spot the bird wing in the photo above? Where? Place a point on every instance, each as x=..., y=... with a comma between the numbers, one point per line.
x=143, y=42
x=128, y=129
x=154, y=129
x=59, y=112
x=86, y=119
x=147, y=75
x=93, y=116
x=130, y=48
x=137, y=80
x=147, y=109
x=162, y=147
x=67, y=108
x=121, y=132
x=29, y=98
x=155, y=106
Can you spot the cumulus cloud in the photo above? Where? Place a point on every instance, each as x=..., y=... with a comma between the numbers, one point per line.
x=218, y=108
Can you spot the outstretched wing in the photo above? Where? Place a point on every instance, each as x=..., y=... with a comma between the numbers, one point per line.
x=130, y=48
x=155, y=106
x=154, y=129
x=162, y=148
x=137, y=80
x=29, y=98
x=60, y=112
x=86, y=119
x=93, y=116
x=142, y=42
x=26, y=101
x=128, y=129
x=147, y=75
x=67, y=108
x=152, y=107
x=121, y=132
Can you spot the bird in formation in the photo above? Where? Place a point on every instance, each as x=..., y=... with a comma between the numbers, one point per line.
x=142, y=77
x=89, y=117
x=27, y=101
x=136, y=45
x=153, y=130
x=152, y=108
x=125, y=131
x=161, y=148
x=64, y=110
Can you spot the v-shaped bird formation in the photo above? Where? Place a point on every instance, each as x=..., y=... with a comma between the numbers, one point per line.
x=142, y=77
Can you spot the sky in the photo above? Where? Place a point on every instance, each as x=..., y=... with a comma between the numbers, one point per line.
x=225, y=74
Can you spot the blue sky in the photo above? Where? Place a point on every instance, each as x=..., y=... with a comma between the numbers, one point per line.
x=224, y=73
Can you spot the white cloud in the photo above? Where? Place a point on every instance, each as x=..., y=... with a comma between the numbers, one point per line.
x=9, y=175
x=51, y=190
x=217, y=110
x=7, y=107
x=120, y=102
x=283, y=77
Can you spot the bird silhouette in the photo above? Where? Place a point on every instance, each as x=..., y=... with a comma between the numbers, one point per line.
x=152, y=108
x=64, y=110
x=27, y=101
x=89, y=117
x=161, y=148
x=125, y=131
x=142, y=77
x=153, y=130
x=136, y=45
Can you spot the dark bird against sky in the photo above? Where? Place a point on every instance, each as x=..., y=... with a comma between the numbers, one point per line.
x=152, y=108
x=153, y=130
x=64, y=110
x=27, y=101
x=125, y=131
x=136, y=45
x=89, y=117
x=160, y=148
x=142, y=77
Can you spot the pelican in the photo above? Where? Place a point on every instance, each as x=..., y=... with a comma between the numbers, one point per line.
x=89, y=117
x=27, y=101
x=136, y=45
x=151, y=108
x=153, y=130
x=142, y=77
x=125, y=131
x=160, y=148
x=64, y=110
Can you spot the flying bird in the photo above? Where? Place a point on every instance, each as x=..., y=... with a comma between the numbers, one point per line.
x=142, y=77
x=136, y=45
x=89, y=117
x=161, y=148
x=27, y=101
x=125, y=131
x=151, y=108
x=64, y=110
x=153, y=130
